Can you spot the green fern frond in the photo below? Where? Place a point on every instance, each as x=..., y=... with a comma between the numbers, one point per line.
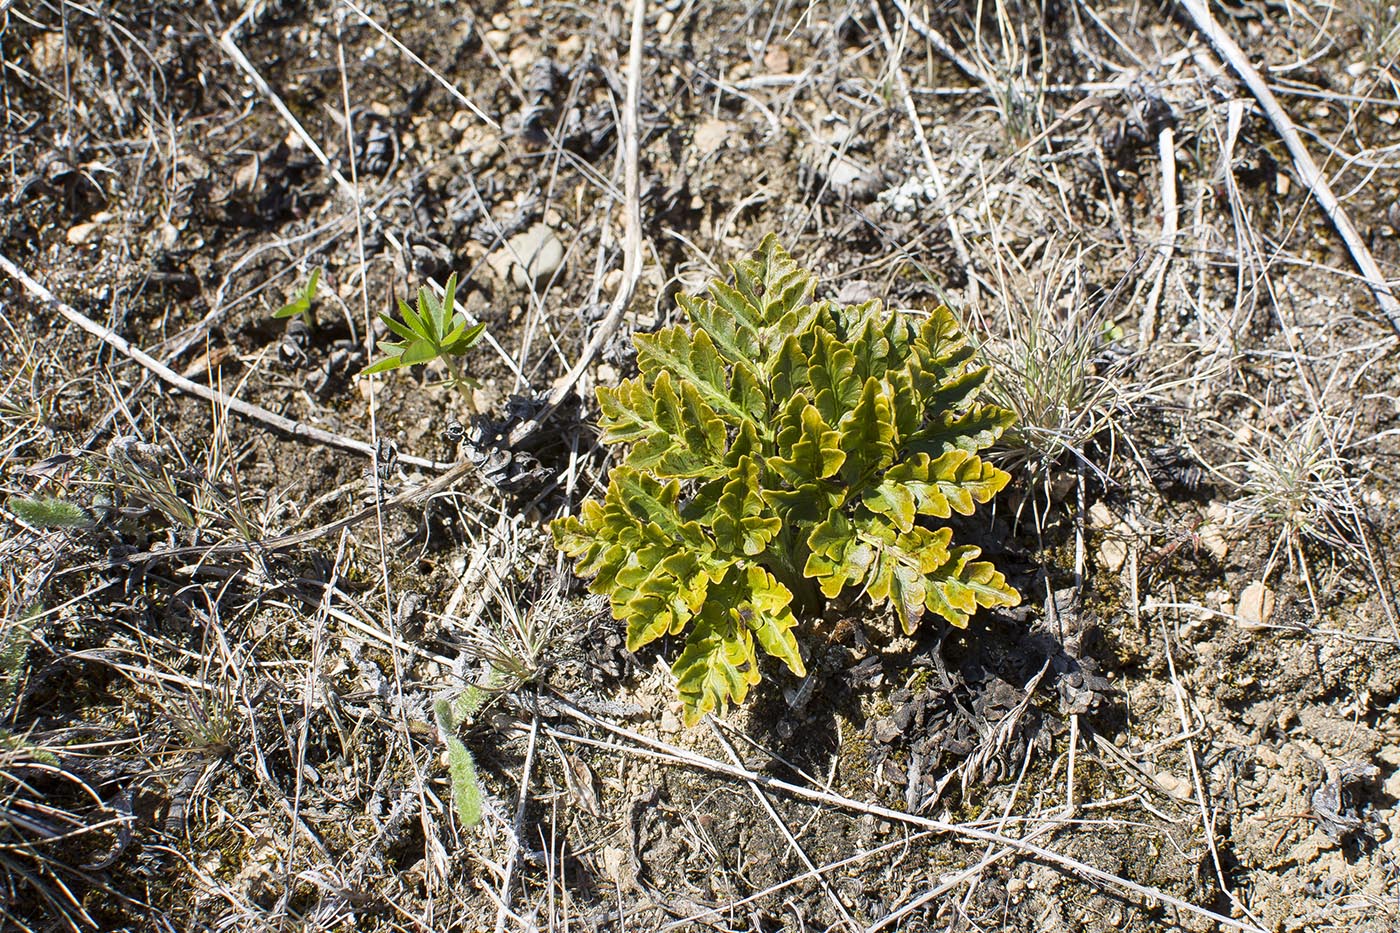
x=779, y=448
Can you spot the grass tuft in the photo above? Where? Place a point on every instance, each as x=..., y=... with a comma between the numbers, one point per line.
x=1048, y=342
x=1300, y=483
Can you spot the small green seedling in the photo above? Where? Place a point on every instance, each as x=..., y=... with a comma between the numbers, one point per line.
x=461, y=766
x=435, y=330
x=302, y=303
x=50, y=513
x=783, y=452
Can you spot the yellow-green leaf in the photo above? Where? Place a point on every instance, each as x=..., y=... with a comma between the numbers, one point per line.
x=769, y=617
x=867, y=435
x=743, y=523
x=807, y=449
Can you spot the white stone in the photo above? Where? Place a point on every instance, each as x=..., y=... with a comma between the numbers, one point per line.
x=81, y=233
x=1113, y=553
x=712, y=134
x=530, y=257
x=1256, y=604
x=844, y=172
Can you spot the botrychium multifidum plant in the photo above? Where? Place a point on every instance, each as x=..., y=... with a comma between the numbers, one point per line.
x=781, y=452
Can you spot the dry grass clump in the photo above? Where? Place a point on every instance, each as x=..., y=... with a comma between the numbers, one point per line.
x=1299, y=481
x=1050, y=345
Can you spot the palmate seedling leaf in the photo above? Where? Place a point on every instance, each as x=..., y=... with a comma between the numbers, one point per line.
x=419, y=351
x=779, y=446
x=433, y=330
x=302, y=303
x=463, y=337
x=401, y=328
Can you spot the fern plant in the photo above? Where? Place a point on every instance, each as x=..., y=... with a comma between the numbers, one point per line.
x=782, y=451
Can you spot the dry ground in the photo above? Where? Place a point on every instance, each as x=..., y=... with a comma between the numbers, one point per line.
x=1194, y=719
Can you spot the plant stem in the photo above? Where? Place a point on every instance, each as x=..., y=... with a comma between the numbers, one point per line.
x=460, y=381
x=785, y=563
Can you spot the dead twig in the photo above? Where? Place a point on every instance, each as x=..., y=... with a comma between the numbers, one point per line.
x=168, y=375
x=1302, y=159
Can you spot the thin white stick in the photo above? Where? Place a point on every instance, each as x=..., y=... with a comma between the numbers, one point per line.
x=166, y=374
x=632, y=233
x=654, y=747
x=1166, y=156
x=763, y=801
x=1302, y=159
